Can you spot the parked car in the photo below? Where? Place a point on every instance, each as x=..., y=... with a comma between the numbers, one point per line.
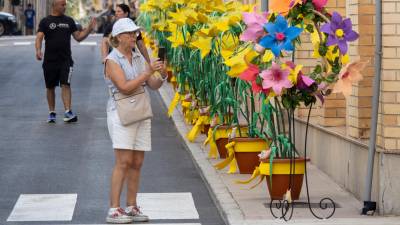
x=8, y=23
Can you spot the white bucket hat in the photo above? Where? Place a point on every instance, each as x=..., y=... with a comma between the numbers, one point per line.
x=124, y=25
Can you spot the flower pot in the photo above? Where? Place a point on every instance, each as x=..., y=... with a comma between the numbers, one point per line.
x=222, y=151
x=205, y=129
x=217, y=146
x=281, y=177
x=222, y=139
x=170, y=75
x=246, y=153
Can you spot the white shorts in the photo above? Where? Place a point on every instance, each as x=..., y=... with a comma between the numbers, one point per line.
x=136, y=136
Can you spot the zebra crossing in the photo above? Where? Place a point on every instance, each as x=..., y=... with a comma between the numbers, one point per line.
x=61, y=207
x=32, y=43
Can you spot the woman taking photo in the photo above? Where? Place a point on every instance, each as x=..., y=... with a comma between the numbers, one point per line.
x=125, y=72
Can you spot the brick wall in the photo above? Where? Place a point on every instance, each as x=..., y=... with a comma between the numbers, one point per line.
x=389, y=118
x=362, y=13
x=333, y=112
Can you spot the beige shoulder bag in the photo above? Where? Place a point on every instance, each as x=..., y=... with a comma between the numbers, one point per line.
x=134, y=107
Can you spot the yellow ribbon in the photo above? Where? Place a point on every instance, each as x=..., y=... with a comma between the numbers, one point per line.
x=230, y=160
x=213, y=153
x=194, y=116
x=173, y=104
x=185, y=110
x=197, y=127
x=255, y=174
x=191, y=116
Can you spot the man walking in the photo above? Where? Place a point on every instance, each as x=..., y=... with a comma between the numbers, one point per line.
x=57, y=29
x=29, y=19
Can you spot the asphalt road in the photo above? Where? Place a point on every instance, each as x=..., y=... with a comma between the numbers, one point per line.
x=40, y=158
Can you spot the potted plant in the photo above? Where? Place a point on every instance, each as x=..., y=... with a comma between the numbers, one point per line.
x=284, y=86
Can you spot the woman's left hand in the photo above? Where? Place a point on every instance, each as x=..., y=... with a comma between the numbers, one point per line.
x=159, y=65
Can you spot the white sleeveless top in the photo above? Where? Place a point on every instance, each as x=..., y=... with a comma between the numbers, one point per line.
x=131, y=71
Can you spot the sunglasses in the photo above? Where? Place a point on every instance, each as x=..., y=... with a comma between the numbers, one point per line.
x=133, y=33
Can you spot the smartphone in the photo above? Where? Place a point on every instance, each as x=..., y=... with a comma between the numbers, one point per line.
x=162, y=53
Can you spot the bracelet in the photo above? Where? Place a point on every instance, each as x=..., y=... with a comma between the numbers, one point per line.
x=163, y=78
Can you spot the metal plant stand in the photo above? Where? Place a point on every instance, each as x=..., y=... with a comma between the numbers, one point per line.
x=283, y=209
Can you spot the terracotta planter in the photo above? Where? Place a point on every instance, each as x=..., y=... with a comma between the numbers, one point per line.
x=222, y=140
x=222, y=151
x=246, y=153
x=170, y=75
x=281, y=177
x=205, y=129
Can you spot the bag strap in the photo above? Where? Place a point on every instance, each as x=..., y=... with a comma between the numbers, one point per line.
x=119, y=96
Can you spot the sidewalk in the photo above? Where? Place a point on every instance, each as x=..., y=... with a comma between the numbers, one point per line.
x=241, y=206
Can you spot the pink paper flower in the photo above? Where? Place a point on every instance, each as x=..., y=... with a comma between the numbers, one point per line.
x=254, y=23
x=348, y=75
x=319, y=4
x=276, y=78
x=250, y=75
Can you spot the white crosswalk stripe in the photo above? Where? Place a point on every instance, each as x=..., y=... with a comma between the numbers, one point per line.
x=88, y=43
x=61, y=207
x=22, y=43
x=28, y=43
x=44, y=207
x=168, y=205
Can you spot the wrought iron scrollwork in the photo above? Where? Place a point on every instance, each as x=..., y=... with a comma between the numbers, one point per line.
x=283, y=209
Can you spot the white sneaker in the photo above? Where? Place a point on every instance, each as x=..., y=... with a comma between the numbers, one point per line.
x=136, y=214
x=118, y=216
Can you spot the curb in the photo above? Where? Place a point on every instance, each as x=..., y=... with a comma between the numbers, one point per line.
x=226, y=205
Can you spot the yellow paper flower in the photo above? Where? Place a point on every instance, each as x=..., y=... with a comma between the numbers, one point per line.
x=177, y=39
x=268, y=56
x=221, y=25
x=181, y=2
x=171, y=27
x=220, y=8
x=191, y=16
x=178, y=18
x=204, y=44
x=229, y=41
x=238, y=63
x=293, y=72
x=226, y=54
x=234, y=18
x=202, y=18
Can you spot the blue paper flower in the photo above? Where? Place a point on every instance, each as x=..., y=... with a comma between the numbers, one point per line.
x=279, y=36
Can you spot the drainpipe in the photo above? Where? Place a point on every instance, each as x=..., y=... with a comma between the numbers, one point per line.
x=264, y=5
x=370, y=206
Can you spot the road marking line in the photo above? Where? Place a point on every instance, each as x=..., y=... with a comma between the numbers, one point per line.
x=89, y=43
x=22, y=43
x=168, y=205
x=148, y=224
x=44, y=207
